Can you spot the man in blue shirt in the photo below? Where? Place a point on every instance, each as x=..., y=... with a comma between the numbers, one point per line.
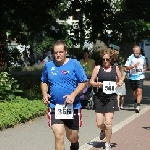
x=63, y=79
x=136, y=65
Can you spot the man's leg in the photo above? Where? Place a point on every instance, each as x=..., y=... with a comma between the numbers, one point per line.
x=57, y=126
x=72, y=136
x=72, y=129
x=58, y=130
x=139, y=94
x=133, y=84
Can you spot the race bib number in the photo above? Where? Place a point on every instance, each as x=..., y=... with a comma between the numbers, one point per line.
x=63, y=111
x=109, y=87
x=139, y=69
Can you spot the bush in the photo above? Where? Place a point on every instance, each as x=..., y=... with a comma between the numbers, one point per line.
x=20, y=111
x=8, y=87
x=29, y=83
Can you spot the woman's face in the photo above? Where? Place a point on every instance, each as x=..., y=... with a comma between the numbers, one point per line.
x=106, y=60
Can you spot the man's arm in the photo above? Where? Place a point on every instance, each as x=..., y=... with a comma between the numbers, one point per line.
x=79, y=89
x=44, y=88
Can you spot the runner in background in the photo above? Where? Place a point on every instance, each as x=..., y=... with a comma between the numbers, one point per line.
x=121, y=91
x=136, y=64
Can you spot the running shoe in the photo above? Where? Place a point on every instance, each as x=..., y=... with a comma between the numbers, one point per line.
x=137, y=109
x=121, y=107
x=107, y=146
x=102, y=135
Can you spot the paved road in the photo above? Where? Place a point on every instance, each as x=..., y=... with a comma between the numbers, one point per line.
x=36, y=135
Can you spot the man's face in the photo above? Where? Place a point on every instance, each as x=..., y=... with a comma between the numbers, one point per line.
x=59, y=53
x=137, y=52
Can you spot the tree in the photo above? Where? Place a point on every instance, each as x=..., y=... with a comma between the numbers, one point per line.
x=110, y=21
x=31, y=21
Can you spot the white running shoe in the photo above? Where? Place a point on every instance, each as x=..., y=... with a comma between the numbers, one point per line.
x=137, y=109
x=107, y=146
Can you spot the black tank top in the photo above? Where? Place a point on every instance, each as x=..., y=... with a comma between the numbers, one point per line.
x=105, y=76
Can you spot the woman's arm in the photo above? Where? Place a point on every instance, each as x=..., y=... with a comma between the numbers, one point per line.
x=94, y=77
x=120, y=81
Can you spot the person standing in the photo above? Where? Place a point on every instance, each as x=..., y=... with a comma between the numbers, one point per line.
x=136, y=64
x=121, y=91
x=63, y=79
x=104, y=78
x=87, y=63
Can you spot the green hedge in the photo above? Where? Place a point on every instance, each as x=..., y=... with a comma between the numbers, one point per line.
x=20, y=111
x=29, y=82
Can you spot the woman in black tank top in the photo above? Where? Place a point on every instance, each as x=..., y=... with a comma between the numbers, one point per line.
x=104, y=80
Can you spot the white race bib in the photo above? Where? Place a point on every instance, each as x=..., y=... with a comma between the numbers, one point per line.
x=139, y=69
x=109, y=87
x=63, y=111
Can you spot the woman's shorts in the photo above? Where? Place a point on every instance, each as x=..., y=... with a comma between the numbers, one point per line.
x=105, y=105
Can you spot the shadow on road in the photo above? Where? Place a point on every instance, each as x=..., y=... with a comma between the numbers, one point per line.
x=96, y=144
x=147, y=128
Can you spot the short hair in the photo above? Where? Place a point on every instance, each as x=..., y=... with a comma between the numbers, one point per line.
x=60, y=42
x=136, y=46
x=112, y=53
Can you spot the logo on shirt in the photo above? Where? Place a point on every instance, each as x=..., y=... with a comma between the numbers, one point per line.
x=53, y=68
x=53, y=71
x=64, y=72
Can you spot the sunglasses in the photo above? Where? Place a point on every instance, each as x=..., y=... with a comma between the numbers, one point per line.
x=106, y=59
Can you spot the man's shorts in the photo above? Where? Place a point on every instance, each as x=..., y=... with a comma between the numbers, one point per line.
x=73, y=124
x=135, y=84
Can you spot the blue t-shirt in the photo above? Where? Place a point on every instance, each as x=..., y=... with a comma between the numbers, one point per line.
x=63, y=80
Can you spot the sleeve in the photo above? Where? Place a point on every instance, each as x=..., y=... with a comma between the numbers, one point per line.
x=44, y=77
x=144, y=61
x=128, y=61
x=79, y=72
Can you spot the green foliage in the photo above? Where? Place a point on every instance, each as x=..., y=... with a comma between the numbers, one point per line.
x=8, y=87
x=19, y=111
x=47, y=42
x=29, y=81
x=36, y=67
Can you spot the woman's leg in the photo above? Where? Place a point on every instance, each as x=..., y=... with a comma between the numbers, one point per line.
x=108, y=123
x=100, y=121
x=118, y=99
x=100, y=124
x=122, y=101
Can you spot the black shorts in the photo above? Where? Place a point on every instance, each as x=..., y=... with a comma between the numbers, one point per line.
x=73, y=124
x=105, y=105
x=135, y=84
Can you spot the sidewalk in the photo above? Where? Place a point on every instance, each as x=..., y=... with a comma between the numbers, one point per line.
x=133, y=136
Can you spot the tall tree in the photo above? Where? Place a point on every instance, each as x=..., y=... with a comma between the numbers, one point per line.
x=31, y=20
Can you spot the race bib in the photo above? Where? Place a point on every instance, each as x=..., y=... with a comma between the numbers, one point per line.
x=139, y=69
x=63, y=111
x=109, y=87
